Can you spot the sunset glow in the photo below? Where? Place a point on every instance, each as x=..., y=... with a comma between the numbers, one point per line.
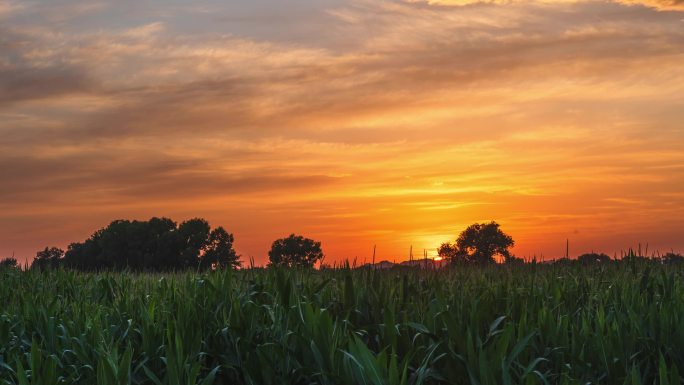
x=356, y=123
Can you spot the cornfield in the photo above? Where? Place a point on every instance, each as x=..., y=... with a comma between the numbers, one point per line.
x=532, y=324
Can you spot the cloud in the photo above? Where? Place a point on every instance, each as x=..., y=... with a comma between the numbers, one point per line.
x=22, y=84
x=107, y=177
x=144, y=31
x=8, y=8
x=397, y=118
x=27, y=73
x=676, y=5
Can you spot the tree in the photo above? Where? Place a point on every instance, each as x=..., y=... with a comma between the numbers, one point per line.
x=194, y=235
x=87, y=255
x=452, y=254
x=593, y=258
x=48, y=258
x=219, y=251
x=295, y=251
x=672, y=258
x=158, y=245
x=479, y=244
x=10, y=263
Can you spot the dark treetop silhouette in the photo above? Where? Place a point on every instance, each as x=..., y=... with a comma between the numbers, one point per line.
x=295, y=251
x=157, y=244
x=591, y=258
x=10, y=262
x=162, y=245
x=479, y=243
x=50, y=257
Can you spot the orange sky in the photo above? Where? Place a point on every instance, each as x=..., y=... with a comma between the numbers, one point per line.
x=355, y=123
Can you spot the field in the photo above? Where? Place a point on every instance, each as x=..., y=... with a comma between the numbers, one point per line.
x=532, y=324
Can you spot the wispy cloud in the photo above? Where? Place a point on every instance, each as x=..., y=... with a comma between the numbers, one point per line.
x=658, y=4
x=7, y=8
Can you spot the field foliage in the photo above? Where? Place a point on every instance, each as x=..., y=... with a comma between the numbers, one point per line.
x=530, y=324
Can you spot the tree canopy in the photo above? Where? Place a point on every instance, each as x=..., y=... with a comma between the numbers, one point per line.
x=48, y=258
x=592, y=258
x=158, y=244
x=8, y=263
x=478, y=244
x=672, y=258
x=295, y=251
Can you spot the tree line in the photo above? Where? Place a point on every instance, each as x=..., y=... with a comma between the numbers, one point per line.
x=482, y=243
x=157, y=244
x=160, y=244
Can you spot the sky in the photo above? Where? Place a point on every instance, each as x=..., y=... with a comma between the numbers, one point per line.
x=357, y=123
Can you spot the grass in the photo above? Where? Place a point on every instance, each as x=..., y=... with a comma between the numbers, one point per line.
x=533, y=324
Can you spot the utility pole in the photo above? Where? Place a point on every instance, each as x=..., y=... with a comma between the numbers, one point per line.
x=567, y=248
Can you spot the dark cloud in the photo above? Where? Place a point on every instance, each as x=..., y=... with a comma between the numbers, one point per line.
x=108, y=178
x=355, y=87
x=677, y=5
x=416, y=62
x=24, y=84
x=24, y=77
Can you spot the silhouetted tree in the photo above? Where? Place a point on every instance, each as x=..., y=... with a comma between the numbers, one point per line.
x=219, y=251
x=48, y=258
x=295, y=250
x=564, y=262
x=8, y=263
x=452, y=254
x=194, y=235
x=593, y=258
x=158, y=244
x=120, y=248
x=672, y=258
x=87, y=255
x=479, y=243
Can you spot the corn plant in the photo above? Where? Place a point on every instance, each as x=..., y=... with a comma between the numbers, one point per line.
x=615, y=323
